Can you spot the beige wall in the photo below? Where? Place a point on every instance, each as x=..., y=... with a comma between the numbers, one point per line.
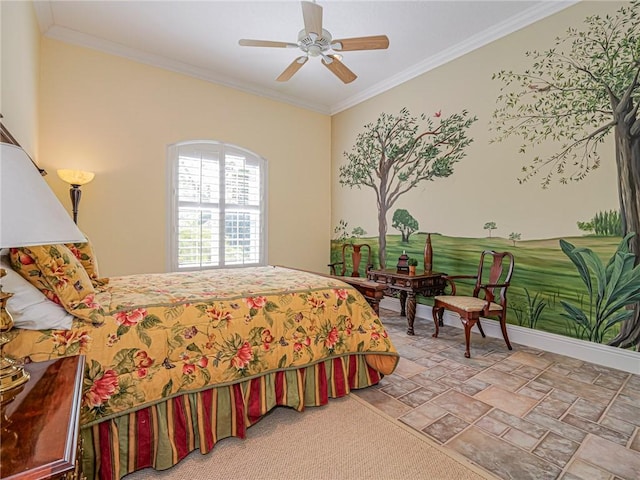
x=484, y=186
x=116, y=117
x=20, y=40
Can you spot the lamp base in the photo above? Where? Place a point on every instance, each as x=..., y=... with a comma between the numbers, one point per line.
x=12, y=375
x=8, y=432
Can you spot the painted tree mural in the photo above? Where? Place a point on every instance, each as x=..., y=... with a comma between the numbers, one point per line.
x=515, y=237
x=398, y=152
x=576, y=94
x=490, y=226
x=604, y=223
x=404, y=222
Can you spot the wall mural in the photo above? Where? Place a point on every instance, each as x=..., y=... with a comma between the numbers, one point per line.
x=397, y=153
x=574, y=95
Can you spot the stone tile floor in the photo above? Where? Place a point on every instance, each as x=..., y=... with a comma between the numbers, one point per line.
x=519, y=414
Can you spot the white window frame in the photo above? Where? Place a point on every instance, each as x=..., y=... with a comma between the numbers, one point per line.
x=173, y=152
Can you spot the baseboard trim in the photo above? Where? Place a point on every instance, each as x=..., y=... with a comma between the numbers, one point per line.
x=612, y=357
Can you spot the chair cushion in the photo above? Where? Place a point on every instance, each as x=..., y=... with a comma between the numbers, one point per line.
x=467, y=304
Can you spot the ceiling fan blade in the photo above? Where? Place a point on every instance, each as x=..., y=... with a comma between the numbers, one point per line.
x=339, y=69
x=376, y=42
x=265, y=43
x=312, y=14
x=292, y=69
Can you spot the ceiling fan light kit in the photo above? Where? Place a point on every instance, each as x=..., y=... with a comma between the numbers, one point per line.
x=315, y=41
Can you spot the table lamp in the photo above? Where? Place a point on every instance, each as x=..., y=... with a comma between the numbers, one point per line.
x=75, y=178
x=30, y=214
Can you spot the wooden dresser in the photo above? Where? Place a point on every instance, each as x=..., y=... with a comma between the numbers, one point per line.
x=40, y=425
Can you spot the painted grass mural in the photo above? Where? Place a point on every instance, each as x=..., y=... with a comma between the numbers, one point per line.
x=544, y=275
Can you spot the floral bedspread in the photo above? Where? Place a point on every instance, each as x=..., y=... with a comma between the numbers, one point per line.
x=167, y=334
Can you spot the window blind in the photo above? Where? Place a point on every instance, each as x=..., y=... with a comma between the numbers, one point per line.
x=220, y=207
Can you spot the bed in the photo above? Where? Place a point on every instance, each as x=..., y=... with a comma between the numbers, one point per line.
x=176, y=362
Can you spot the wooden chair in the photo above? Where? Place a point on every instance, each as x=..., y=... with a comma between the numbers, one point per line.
x=371, y=291
x=356, y=250
x=492, y=302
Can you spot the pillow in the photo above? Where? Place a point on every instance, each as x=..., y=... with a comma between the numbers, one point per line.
x=29, y=307
x=85, y=254
x=66, y=281
x=25, y=265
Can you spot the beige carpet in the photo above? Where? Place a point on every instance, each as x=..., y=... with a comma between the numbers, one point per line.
x=346, y=439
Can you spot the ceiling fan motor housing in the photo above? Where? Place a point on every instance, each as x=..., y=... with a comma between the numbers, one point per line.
x=314, y=46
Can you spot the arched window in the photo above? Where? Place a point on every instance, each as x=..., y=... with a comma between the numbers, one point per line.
x=217, y=211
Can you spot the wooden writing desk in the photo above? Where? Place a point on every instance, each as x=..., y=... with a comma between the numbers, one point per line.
x=427, y=284
x=372, y=292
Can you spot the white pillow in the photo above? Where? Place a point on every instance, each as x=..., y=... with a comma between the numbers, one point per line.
x=29, y=307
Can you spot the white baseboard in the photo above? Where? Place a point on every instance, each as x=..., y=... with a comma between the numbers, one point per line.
x=618, y=358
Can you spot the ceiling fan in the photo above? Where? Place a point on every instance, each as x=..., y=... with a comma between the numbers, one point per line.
x=315, y=41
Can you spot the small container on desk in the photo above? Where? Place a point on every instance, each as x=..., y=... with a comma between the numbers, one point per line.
x=403, y=263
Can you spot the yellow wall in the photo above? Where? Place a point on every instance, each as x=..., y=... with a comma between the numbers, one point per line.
x=484, y=185
x=20, y=40
x=116, y=117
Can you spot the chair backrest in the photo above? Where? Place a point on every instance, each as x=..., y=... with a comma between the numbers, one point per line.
x=498, y=273
x=356, y=250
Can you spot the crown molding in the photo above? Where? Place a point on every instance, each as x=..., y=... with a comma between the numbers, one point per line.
x=538, y=12
x=503, y=29
x=44, y=14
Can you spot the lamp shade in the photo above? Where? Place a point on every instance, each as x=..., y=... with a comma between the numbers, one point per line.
x=75, y=177
x=30, y=213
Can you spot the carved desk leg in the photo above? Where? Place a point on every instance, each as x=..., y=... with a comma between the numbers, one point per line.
x=411, y=311
x=403, y=301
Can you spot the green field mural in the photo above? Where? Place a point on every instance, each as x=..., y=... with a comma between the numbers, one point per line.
x=543, y=275
x=565, y=112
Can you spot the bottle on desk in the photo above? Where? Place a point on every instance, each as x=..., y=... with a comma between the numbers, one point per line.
x=428, y=255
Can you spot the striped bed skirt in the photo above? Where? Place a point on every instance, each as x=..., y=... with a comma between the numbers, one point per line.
x=161, y=435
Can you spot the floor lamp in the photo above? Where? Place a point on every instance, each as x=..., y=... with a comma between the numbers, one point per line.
x=75, y=178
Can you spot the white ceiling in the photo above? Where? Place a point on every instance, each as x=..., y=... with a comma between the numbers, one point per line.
x=200, y=38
